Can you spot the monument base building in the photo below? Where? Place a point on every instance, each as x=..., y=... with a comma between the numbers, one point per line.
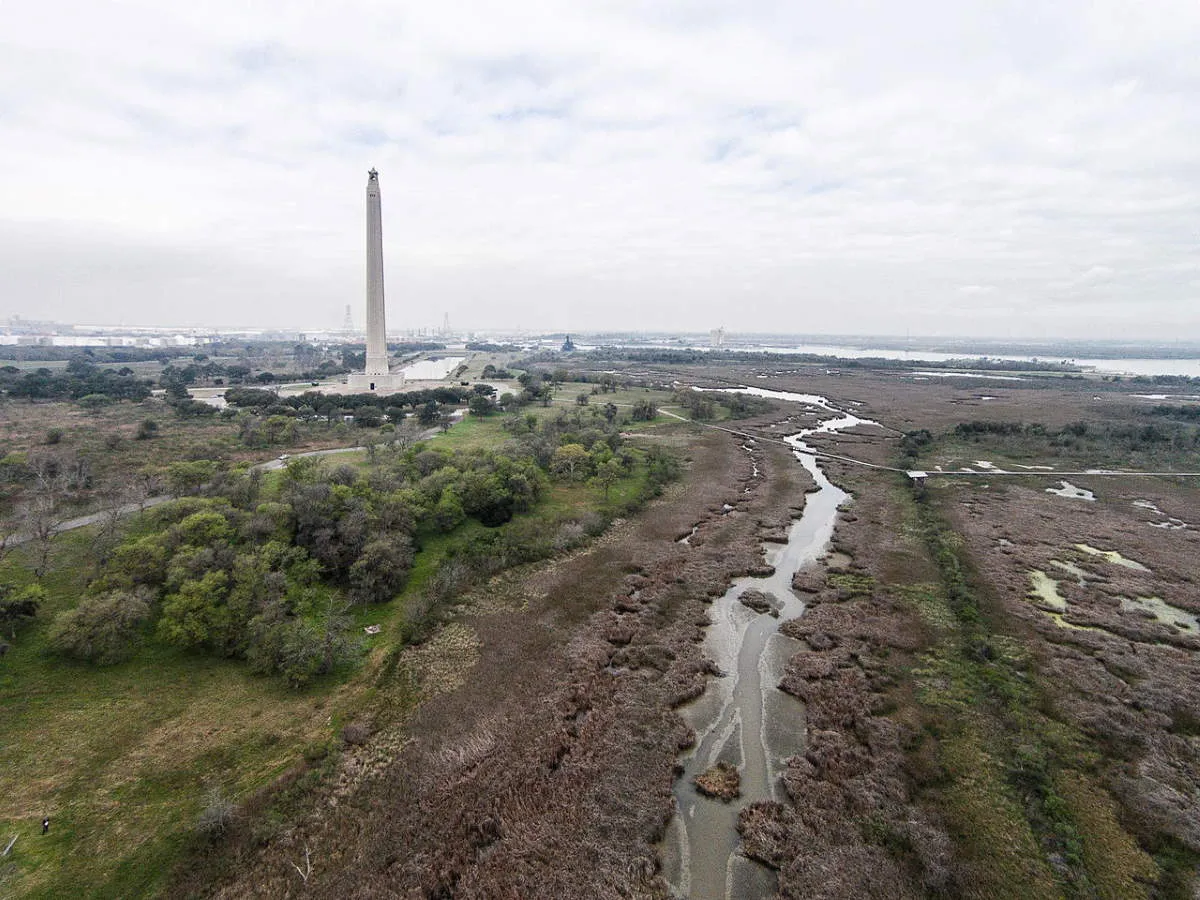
x=361, y=383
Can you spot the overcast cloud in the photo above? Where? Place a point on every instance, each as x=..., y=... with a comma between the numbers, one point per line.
x=1015, y=169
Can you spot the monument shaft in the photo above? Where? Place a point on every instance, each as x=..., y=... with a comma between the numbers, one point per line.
x=375, y=376
x=377, y=359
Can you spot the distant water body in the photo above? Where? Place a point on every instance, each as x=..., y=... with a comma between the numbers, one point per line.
x=432, y=369
x=1189, y=367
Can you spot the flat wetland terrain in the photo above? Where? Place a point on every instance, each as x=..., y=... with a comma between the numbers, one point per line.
x=997, y=665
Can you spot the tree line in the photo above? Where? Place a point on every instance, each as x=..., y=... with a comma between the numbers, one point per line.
x=268, y=569
x=81, y=380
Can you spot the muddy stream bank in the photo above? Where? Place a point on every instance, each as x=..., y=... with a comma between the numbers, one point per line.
x=743, y=719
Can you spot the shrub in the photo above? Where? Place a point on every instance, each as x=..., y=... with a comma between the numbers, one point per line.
x=102, y=629
x=217, y=816
x=570, y=534
x=292, y=648
x=95, y=401
x=357, y=732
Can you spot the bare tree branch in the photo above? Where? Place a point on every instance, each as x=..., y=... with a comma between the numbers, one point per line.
x=307, y=870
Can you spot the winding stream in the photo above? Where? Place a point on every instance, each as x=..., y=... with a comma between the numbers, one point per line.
x=743, y=718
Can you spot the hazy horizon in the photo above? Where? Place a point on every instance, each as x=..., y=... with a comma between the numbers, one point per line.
x=1012, y=172
x=733, y=340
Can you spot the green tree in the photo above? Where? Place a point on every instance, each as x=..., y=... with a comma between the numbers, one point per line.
x=202, y=529
x=140, y=561
x=95, y=401
x=189, y=476
x=368, y=417
x=381, y=569
x=292, y=647
x=485, y=497
x=193, y=616
x=19, y=605
x=480, y=405
x=188, y=408
x=280, y=429
x=299, y=648
x=429, y=414
x=448, y=514
x=608, y=473
x=570, y=460
x=661, y=466
x=335, y=634
x=643, y=410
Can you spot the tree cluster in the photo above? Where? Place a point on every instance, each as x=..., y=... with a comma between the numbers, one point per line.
x=81, y=380
x=605, y=382
x=691, y=356
x=266, y=573
x=316, y=404
x=1160, y=442
x=489, y=347
x=698, y=405
x=97, y=355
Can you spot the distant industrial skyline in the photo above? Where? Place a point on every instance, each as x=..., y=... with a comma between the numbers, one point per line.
x=730, y=339
x=932, y=168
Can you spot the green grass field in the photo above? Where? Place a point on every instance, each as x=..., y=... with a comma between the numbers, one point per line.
x=121, y=758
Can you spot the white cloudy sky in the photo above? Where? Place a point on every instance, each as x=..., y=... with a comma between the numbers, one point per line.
x=1007, y=168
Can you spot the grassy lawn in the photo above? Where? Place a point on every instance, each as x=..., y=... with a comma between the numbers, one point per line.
x=32, y=365
x=121, y=758
x=478, y=361
x=473, y=433
x=622, y=397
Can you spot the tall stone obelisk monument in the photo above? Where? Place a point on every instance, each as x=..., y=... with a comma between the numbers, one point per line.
x=377, y=376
